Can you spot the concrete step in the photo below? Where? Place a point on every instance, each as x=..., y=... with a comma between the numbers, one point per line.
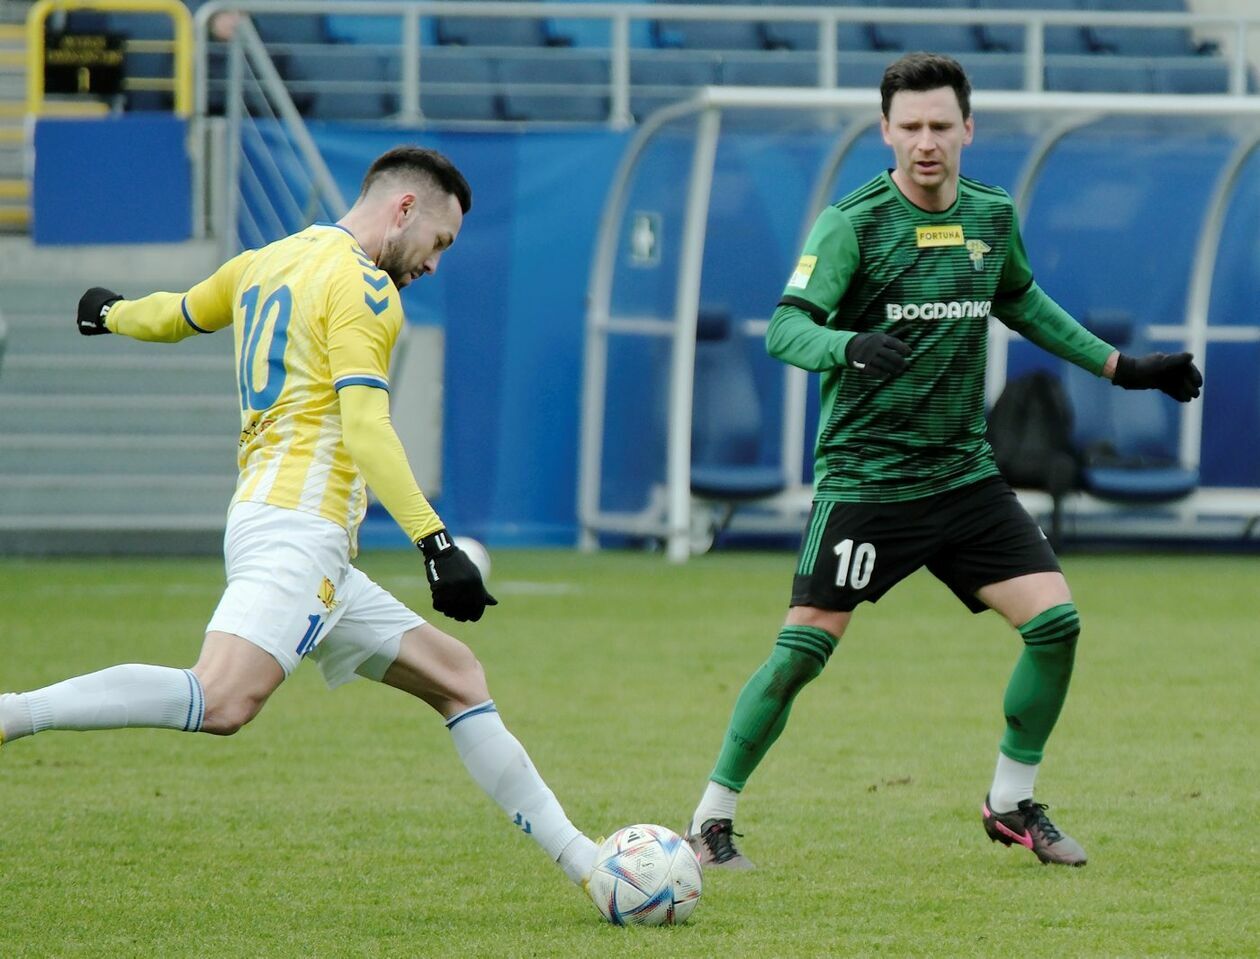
x=56, y=334
x=152, y=375
x=69, y=497
x=215, y=414
x=85, y=454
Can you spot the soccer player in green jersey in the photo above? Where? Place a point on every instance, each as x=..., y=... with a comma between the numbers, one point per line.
x=889, y=302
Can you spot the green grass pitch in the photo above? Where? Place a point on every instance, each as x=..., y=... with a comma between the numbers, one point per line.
x=342, y=824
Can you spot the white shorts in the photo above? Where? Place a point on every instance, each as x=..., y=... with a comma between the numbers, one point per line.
x=292, y=592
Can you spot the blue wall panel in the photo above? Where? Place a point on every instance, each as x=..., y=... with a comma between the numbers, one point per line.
x=1108, y=228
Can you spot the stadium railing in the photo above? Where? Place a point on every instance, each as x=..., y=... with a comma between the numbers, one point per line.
x=403, y=83
x=669, y=513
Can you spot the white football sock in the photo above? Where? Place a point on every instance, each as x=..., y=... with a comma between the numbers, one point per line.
x=1012, y=783
x=114, y=698
x=718, y=802
x=499, y=764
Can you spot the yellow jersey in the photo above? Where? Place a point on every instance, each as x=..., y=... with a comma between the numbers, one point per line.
x=311, y=314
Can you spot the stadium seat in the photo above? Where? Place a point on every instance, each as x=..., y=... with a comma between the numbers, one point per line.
x=709, y=34
x=772, y=68
x=1142, y=41
x=994, y=71
x=1190, y=75
x=385, y=31
x=458, y=85
x=345, y=83
x=726, y=418
x=794, y=35
x=941, y=37
x=1010, y=38
x=549, y=87
x=1127, y=438
x=290, y=28
x=858, y=69
x=493, y=32
x=658, y=78
x=1098, y=74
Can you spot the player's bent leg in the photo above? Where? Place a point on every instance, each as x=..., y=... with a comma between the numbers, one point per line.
x=443, y=672
x=1040, y=607
x=236, y=679
x=802, y=649
x=126, y=696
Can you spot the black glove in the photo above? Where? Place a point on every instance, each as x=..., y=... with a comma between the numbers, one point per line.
x=458, y=591
x=94, y=305
x=1174, y=373
x=876, y=353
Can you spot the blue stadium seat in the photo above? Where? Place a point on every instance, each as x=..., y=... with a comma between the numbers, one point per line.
x=1010, y=37
x=943, y=38
x=385, y=30
x=858, y=69
x=361, y=85
x=1190, y=75
x=709, y=34
x=804, y=36
x=1099, y=74
x=456, y=84
x=658, y=78
x=290, y=28
x=773, y=68
x=726, y=417
x=994, y=71
x=1142, y=41
x=556, y=87
x=1127, y=438
x=493, y=32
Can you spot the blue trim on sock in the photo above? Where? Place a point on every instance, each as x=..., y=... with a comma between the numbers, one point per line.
x=486, y=707
x=196, y=703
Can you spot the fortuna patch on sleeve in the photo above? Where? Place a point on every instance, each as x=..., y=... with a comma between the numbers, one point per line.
x=804, y=270
x=938, y=235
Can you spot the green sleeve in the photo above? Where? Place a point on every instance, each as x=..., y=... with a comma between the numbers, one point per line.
x=794, y=337
x=1037, y=318
x=829, y=260
x=798, y=332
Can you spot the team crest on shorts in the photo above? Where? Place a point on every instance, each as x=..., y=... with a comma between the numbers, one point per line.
x=328, y=594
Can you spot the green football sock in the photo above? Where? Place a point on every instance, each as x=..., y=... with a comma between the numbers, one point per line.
x=1039, y=683
x=761, y=711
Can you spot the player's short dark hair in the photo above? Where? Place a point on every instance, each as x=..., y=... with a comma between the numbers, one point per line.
x=925, y=71
x=424, y=163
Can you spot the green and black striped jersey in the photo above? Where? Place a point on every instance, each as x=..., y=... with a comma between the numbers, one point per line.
x=876, y=262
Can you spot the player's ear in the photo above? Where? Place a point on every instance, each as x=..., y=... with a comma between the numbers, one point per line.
x=969, y=128
x=406, y=208
x=883, y=129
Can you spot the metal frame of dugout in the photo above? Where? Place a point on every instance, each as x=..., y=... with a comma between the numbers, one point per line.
x=670, y=515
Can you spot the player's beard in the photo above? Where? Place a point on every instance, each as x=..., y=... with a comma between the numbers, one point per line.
x=390, y=261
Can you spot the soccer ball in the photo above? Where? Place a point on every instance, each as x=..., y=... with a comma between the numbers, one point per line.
x=645, y=875
x=477, y=553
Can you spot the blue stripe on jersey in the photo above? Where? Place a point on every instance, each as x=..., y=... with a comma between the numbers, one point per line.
x=376, y=306
x=361, y=380
x=376, y=283
x=183, y=307
x=366, y=263
x=487, y=707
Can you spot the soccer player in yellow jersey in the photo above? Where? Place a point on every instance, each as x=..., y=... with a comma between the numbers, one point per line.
x=314, y=318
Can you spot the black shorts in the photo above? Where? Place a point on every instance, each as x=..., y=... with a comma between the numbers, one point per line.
x=967, y=538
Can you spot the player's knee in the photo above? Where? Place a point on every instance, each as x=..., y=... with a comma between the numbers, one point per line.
x=1059, y=626
x=228, y=715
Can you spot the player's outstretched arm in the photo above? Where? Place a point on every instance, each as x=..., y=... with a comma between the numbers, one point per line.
x=1173, y=373
x=370, y=438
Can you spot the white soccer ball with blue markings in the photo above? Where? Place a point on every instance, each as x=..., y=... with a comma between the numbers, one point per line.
x=477, y=553
x=645, y=875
